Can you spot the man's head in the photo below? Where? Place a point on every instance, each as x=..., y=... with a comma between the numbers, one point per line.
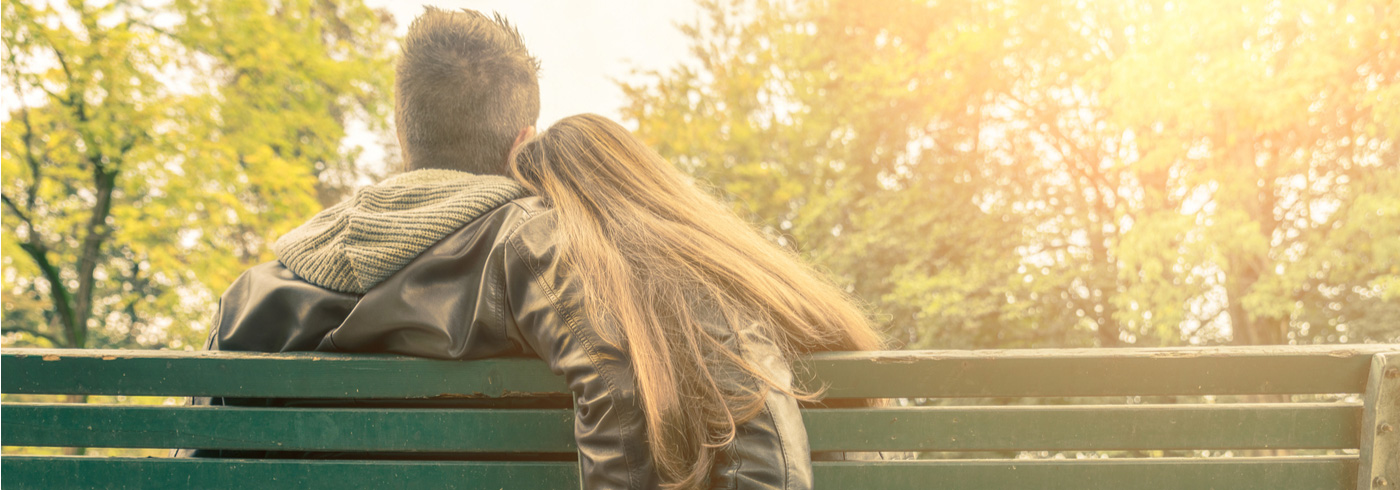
x=465, y=91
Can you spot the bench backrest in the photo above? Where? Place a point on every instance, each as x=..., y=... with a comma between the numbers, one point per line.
x=1352, y=441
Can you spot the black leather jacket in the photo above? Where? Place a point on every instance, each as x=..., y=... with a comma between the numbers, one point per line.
x=497, y=287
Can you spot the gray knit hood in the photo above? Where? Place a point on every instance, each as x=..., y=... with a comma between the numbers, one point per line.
x=354, y=245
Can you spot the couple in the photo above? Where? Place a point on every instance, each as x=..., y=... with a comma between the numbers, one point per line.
x=672, y=320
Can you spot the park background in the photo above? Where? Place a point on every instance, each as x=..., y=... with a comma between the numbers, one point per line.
x=998, y=174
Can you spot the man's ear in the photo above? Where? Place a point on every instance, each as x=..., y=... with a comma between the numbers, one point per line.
x=520, y=139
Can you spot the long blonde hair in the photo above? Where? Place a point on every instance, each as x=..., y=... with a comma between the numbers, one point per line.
x=659, y=256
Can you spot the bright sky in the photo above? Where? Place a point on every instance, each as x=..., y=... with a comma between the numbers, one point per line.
x=583, y=45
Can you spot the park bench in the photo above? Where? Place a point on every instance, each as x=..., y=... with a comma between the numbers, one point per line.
x=1000, y=408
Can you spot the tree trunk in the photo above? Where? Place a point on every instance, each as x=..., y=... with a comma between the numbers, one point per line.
x=1105, y=282
x=91, y=252
x=74, y=451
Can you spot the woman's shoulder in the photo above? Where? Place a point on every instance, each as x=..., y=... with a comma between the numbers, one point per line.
x=530, y=228
x=530, y=205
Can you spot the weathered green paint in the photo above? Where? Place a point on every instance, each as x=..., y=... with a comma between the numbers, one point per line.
x=302, y=375
x=1315, y=473
x=1095, y=372
x=1100, y=427
x=289, y=429
x=1032, y=373
x=1233, y=426
x=353, y=379
x=1380, y=426
x=45, y=473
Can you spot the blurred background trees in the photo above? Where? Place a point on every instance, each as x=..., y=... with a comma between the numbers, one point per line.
x=155, y=149
x=1014, y=173
x=1062, y=173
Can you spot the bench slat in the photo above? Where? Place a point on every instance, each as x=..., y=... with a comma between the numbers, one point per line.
x=78, y=472
x=1096, y=372
x=1300, y=473
x=1088, y=427
x=1310, y=473
x=239, y=374
x=1012, y=373
x=289, y=429
x=1096, y=427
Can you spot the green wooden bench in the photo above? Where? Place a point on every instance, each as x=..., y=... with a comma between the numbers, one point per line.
x=1349, y=442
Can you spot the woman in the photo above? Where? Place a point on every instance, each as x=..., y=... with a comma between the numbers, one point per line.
x=709, y=311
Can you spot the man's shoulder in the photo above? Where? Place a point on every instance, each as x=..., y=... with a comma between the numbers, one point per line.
x=272, y=270
x=273, y=279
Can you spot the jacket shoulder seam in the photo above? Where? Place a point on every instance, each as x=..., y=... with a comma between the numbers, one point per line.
x=782, y=446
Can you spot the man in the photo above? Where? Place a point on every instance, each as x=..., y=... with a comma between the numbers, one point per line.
x=451, y=259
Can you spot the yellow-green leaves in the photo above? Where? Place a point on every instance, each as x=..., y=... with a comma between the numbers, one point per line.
x=1032, y=173
x=154, y=151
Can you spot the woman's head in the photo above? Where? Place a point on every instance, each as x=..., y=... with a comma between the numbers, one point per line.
x=580, y=153
x=662, y=263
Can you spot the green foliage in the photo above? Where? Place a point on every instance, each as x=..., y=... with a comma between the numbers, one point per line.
x=1029, y=173
x=155, y=150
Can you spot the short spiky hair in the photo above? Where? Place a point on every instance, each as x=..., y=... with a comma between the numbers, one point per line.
x=465, y=87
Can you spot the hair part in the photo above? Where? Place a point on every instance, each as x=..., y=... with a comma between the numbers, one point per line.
x=465, y=86
x=665, y=262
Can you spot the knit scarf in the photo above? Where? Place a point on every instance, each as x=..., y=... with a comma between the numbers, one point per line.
x=354, y=245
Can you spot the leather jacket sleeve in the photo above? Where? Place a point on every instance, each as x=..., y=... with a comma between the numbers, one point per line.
x=543, y=298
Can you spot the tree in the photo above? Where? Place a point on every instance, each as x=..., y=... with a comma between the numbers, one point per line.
x=1059, y=173
x=1280, y=117
x=835, y=132
x=152, y=152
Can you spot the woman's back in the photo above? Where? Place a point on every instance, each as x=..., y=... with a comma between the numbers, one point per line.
x=709, y=312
